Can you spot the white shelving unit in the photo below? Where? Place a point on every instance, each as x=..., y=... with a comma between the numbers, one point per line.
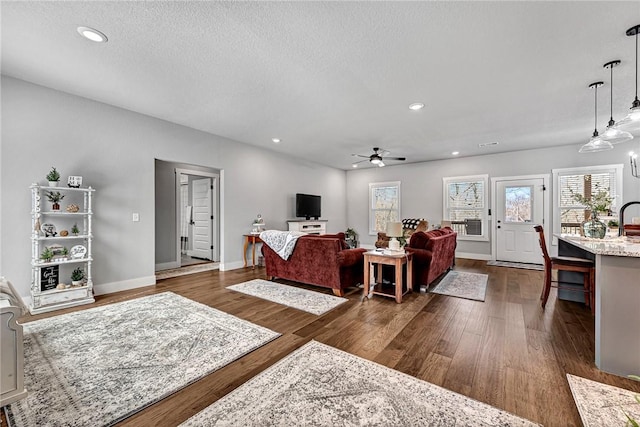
x=49, y=296
x=311, y=227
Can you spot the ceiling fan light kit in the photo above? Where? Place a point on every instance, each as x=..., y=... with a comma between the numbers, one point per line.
x=377, y=158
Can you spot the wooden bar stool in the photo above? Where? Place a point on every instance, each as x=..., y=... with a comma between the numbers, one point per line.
x=579, y=265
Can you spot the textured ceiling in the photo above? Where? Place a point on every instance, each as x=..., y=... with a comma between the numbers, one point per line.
x=335, y=78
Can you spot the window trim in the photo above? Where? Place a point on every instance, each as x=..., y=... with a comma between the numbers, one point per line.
x=372, y=186
x=484, y=237
x=616, y=169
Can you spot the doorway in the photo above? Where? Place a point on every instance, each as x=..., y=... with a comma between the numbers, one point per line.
x=520, y=203
x=197, y=224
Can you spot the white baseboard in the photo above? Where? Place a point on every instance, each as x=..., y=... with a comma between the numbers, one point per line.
x=109, y=288
x=167, y=265
x=226, y=266
x=469, y=255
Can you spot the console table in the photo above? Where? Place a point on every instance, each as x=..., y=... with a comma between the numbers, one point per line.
x=253, y=239
x=380, y=258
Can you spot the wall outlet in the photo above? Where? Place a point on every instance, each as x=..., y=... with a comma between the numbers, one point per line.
x=136, y=217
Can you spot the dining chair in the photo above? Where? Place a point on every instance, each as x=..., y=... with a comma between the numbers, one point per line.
x=562, y=263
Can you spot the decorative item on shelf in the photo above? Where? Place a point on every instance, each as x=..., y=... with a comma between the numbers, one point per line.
x=596, y=143
x=72, y=208
x=57, y=251
x=598, y=202
x=258, y=225
x=77, y=276
x=394, y=230
x=64, y=252
x=55, y=197
x=74, y=181
x=49, y=230
x=78, y=252
x=46, y=255
x=37, y=227
x=75, y=230
x=64, y=233
x=351, y=237
x=53, y=177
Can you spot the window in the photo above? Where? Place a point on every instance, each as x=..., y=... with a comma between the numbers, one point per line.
x=568, y=214
x=384, y=205
x=464, y=204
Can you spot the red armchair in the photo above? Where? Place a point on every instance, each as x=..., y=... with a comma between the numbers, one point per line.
x=322, y=260
x=433, y=254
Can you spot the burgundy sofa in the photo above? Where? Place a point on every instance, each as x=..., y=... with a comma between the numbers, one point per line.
x=322, y=260
x=433, y=254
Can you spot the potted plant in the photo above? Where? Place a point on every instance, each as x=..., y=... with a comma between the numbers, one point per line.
x=613, y=224
x=55, y=197
x=53, y=177
x=74, y=230
x=46, y=255
x=76, y=277
x=600, y=201
x=64, y=252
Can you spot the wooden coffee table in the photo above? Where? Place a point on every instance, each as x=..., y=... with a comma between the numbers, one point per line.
x=380, y=258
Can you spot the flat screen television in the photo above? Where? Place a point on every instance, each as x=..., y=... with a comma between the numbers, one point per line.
x=307, y=206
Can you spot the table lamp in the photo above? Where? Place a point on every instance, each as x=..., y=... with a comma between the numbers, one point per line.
x=394, y=229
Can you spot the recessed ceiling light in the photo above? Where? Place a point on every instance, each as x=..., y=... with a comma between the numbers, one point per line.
x=416, y=106
x=276, y=140
x=92, y=34
x=487, y=144
x=354, y=165
x=455, y=153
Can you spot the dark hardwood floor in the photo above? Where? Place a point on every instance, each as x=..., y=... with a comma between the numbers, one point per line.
x=506, y=351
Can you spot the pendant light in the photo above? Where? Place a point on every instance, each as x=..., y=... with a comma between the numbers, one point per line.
x=612, y=134
x=596, y=143
x=631, y=123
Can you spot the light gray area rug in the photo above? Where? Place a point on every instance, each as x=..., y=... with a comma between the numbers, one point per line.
x=463, y=285
x=603, y=405
x=318, y=385
x=97, y=366
x=302, y=299
x=522, y=265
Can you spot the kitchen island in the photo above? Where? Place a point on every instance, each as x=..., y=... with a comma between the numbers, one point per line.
x=617, y=307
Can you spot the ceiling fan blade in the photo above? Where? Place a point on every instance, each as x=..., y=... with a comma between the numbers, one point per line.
x=360, y=155
x=355, y=163
x=382, y=152
x=395, y=158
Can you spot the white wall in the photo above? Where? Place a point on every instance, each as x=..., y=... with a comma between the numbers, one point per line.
x=114, y=150
x=421, y=183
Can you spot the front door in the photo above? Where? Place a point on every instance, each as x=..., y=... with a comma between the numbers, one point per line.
x=519, y=206
x=202, y=218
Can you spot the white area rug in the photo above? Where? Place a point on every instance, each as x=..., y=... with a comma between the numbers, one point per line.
x=603, y=405
x=463, y=285
x=302, y=299
x=318, y=385
x=522, y=265
x=97, y=366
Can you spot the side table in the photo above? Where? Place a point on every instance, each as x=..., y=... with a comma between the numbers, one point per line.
x=253, y=239
x=380, y=258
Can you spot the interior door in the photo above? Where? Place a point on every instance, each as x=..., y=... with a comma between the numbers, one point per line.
x=520, y=206
x=201, y=191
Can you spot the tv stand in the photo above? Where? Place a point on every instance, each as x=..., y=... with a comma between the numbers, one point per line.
x=318, y=226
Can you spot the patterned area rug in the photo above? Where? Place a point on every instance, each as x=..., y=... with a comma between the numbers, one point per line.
x=463, y=285
x=302, y=299
x=318, y=385
x=97, y=366
x=603, y=405
x=522, y=265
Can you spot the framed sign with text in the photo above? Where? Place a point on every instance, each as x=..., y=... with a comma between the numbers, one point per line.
x=49, y=277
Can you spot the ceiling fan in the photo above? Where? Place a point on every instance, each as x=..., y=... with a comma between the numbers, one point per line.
x=377, y=158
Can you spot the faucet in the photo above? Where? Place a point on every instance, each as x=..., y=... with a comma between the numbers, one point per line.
x=621, y=216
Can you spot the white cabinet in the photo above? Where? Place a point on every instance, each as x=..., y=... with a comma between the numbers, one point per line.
x=66, y=234
x=311, y=227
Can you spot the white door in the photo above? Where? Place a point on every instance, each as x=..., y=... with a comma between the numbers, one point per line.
x=201, y=190
x=519, y=206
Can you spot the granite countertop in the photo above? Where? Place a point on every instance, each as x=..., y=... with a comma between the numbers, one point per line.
x=610, y=245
